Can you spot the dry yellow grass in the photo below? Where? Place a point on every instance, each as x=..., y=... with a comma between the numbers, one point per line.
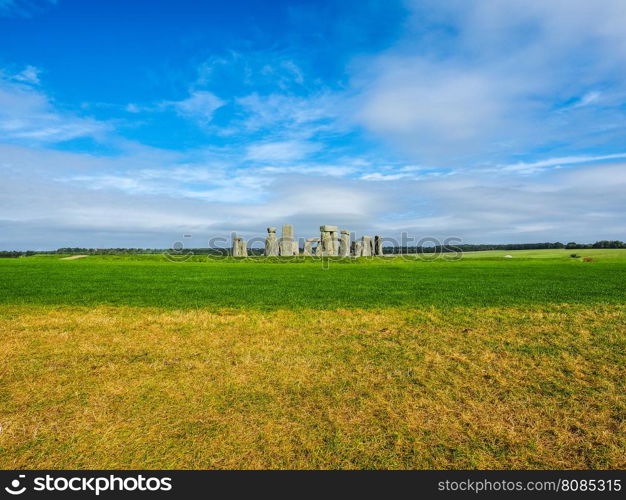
x=118, y=387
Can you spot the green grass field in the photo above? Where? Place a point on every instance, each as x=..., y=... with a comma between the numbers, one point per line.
x=479, y=280
x=485, y=362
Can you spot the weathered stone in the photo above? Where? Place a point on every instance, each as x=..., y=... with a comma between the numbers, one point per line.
x=308, y=246
x=318, y=248
x=357, y=248
x=271, y=243
x=328, y=239
x=239, y=248
x=378, y=245
x=344, y=243
x=326, y=243
x=367, y=246
x=235, y=245
x=288, y=246
x=334, y=236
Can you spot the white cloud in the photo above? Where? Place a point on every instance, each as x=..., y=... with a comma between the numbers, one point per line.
x=149, y=196
x=494, y=87
x=537, y=166
x=133, y=108
x=28, y=116
x=200, y=105
x=377, y=176
x=288, y=111
x=515, y=78
x=294, y=70
x=588, y=98
x=280, y=151
x=30, y=74
x=311, y=169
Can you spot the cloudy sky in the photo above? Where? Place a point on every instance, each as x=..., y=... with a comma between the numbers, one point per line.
x=133, y=123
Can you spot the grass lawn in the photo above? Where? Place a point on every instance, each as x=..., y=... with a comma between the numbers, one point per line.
x=489, y=280
x=487, y=362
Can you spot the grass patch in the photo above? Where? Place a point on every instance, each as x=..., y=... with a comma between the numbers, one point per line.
x=461, y=387
x=141, y=280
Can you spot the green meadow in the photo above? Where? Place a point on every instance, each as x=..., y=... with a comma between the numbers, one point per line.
x=478, y=279
x=389, y=363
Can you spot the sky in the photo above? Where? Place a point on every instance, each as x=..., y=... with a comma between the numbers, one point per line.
x=130, y=124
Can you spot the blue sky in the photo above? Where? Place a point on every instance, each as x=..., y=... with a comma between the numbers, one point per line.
x=132, y=123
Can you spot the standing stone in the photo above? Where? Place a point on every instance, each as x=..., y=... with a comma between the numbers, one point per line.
x=344, y=243
x=308, y=246
x=326, y=243
x=240, y=248
x=271, y=243
x=235, y=246
x=367, y=246
x=357, y=248
x=318, y=248
x=288, y=246
x=328, y=239
x=378, y=246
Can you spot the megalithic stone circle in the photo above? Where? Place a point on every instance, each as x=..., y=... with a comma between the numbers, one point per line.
x=331, y=242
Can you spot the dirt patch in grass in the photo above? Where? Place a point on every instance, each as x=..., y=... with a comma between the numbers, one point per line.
x=119, y=387
x=74, y=257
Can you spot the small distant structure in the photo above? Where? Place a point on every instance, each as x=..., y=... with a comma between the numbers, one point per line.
x=508, y=256
x=332, y=242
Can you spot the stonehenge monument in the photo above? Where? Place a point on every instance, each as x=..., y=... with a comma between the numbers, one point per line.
x=239, y=247
x=331, y=242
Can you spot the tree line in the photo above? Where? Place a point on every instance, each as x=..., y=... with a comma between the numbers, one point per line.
x=508, y=246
